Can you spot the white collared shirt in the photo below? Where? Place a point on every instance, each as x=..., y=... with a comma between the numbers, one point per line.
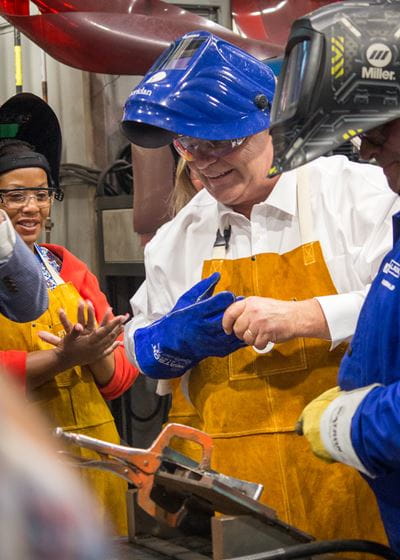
x=351, y=205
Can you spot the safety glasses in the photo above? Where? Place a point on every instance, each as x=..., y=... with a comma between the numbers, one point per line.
x=17, y=198
x=188, y=147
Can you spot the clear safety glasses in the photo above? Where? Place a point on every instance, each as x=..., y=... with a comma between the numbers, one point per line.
x=189, y=147
x=17, y=198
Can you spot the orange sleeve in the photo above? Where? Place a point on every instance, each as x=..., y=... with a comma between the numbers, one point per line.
x=125, y=373
x=124, y=376
x=87, y=284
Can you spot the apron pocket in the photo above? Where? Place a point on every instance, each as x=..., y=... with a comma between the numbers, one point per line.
x=286, y=357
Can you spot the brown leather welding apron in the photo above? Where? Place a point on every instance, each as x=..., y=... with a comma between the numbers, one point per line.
x=250, y=402
x=71, y=399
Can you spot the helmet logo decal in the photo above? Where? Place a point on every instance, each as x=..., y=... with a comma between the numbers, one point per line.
x=157, y=77
x=379, y=55
x=142, y=91
x=337, y=60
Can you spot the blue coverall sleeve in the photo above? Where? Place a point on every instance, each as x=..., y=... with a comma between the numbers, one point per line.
x=23, y=290
x=375, y=430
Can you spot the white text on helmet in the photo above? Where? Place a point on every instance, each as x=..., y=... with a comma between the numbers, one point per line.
x=377, y=74
x=142, y=91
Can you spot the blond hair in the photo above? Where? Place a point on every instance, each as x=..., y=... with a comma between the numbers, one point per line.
x=183, y=190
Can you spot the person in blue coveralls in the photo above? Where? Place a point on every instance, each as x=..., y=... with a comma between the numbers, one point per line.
x=23, y=292
x=341, y=79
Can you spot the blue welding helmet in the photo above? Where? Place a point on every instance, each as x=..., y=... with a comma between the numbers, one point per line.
x=204, y=87
x=340, y=78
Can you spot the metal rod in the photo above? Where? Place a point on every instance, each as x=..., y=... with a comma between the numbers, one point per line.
x=18, y=61
x=43, y=68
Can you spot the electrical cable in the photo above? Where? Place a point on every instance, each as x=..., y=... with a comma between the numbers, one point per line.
x=115, y=179
x=316, y=548
x=80, y=173
x=107, y=189
x=125, y=177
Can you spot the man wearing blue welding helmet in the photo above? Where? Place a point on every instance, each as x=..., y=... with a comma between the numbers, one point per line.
x=347, y=72
x=305, y=246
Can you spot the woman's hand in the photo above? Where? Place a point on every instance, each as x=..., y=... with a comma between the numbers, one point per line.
x=86, y=343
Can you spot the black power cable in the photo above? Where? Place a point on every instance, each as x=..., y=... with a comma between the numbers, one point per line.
x=115, y=179
x=78, y=172
x=106, y=188
x=124, y=176
x=323, y=547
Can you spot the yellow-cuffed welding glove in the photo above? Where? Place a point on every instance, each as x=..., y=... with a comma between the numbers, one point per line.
x=310, y=419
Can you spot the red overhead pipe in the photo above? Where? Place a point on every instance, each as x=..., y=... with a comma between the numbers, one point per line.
x=126, y=36
x=270, y=20
x=116, y=43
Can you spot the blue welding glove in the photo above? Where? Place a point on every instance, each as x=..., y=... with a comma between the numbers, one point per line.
x=190, y=332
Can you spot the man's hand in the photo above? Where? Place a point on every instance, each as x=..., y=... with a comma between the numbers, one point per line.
x=259, y=320
x=309, y=423
x=190, y=332
x=84, y=342
x=327, y=423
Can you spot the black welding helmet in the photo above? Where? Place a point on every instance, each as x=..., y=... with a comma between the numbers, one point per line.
x=340, y=77
x=27, y=117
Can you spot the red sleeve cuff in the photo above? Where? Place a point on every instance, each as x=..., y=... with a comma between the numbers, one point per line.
x=15, y=363
x=124, y=376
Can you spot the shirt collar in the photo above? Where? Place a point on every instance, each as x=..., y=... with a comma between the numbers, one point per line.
x=283, y=197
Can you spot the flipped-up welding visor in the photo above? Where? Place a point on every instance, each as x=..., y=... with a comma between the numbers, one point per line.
x=27, y=117
x=201, y=87
x=301, y=70
x=340, y=77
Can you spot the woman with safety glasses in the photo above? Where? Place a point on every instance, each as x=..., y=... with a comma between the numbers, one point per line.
x=70, y=359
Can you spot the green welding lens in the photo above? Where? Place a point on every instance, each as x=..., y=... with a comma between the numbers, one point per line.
x=9, y=130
